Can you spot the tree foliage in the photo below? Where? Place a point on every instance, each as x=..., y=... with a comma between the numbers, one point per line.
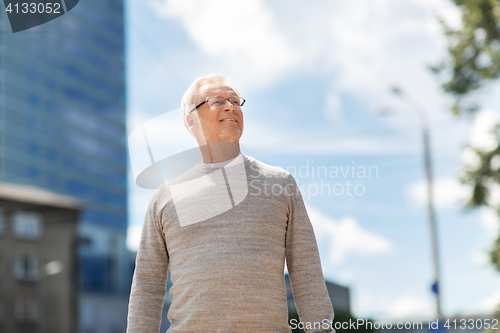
x=474, y=61
x=482, y=178
x=474, y=51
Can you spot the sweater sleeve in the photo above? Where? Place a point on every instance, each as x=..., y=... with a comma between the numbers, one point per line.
x=150, y=275
x=311, y=298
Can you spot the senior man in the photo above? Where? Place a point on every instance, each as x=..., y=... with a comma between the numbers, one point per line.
x=226, y=260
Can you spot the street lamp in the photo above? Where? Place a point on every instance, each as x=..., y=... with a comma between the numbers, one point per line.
x=424, y=125
x=51, y=268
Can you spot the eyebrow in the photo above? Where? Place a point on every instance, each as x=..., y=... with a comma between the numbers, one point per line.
x=223, y=97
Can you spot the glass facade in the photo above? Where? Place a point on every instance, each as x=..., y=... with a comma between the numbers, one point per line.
x=62, y=127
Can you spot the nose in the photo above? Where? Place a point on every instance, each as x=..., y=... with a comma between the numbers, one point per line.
x=231, y=106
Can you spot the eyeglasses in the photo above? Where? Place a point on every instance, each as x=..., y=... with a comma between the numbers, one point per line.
x=219, y=101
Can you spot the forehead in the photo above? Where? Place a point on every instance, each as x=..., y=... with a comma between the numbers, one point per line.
x=216, y=89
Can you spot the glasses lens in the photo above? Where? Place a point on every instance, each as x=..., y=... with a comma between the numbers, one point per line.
x=236, y=101
x=216, y=101
x=219, y=101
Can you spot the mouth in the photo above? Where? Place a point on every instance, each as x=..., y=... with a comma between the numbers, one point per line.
x=228, y=120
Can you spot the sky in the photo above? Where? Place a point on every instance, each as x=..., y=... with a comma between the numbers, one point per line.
x=317, y=81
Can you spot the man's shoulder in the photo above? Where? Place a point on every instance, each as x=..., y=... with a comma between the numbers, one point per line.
x=160, y=196
x=266, y=170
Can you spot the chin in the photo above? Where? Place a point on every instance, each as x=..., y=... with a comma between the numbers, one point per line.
x=231, y=132
x=232, y=136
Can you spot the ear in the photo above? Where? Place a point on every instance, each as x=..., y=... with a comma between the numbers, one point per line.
x=190, y=121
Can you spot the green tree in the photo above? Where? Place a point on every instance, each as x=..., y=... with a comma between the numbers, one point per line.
x=473, y=62
x=474, y=51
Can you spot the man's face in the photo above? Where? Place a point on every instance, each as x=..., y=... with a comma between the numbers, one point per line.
x=220, y=124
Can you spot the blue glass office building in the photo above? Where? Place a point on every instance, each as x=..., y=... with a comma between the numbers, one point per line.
x=62, y=128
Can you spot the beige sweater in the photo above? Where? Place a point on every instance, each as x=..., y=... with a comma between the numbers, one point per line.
x=227, y=264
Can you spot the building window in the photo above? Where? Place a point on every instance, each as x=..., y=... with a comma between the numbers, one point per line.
x=32, y=99
x=32, y=123
x=51, y=154
x=33, y=149
x=26, y=309
x=26, y=267
x=27, y=225
x=33, y=76
x=32, y=172
x=52, y=180
x=50, y=106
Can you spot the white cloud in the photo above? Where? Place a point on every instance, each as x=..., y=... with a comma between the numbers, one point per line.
x=346, y=237
x=364, y=35
x=133, y=237
x=480, y=136
x=264, y=138
x=490, y=303
x=365, y=304
x=480, y=257
x=333, y=110
x=375, y=44
x=409, y=306
x=447, y=191
x=446, y=10
x=470, y=159
x=258, y=42
x=138, y=204
x=490, y=221
x=245, y=36
x=345, y=277
x=136, y=118
x=139, y=200
x=357, y=41
x=495, y=162
x=389, y=309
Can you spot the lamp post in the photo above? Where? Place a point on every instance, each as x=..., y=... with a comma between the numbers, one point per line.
x=424, y=125
x=51, y=268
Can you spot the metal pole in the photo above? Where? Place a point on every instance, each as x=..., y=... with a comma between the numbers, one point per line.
x=428, y=171
x=432, y=217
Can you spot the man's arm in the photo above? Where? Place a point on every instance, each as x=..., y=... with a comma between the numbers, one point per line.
x=150, y=275
x=304, y=266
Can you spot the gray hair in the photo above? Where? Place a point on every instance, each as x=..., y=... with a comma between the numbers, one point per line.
x=193, y=93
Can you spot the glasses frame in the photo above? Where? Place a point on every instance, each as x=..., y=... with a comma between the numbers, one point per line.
x=225, y=99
